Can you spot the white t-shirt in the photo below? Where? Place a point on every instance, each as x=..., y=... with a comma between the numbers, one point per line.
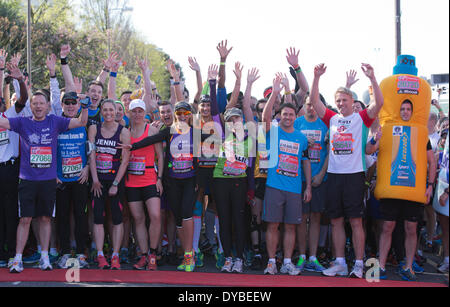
x=348, y=139
x=434, y=139
x=9, y=141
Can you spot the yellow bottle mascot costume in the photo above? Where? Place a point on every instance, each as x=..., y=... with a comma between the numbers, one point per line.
x=402, y=157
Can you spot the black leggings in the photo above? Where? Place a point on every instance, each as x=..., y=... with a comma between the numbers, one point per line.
x=75, y=194
x=9, y=181
x=182, y=197
x=114, y=201
x=230, y=195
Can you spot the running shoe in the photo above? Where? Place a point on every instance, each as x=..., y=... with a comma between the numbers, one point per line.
x=443, y=268
x=314, y=266
x=10, y=262
x=142, y=263
x=228, y=266
x=248, y=256
x=290, y=269
x=3, y=263
x=123, y=255
x=301, y=264
x=237, y=266
x=115, y=263
x=53, y=258
x=182, y=266
x=407, y=275
x=336, y=269
x=205, y=246
x=357, y=272
x=102, y=263
x=44, y=264
x=82, y=261
x=257, y=263
x=92, y=256
x=160, y=258
x=271, y=269
x=16, y=267
x=152, y=263
x=62, y=262
x=220, y=260
x=417, y=268
x=32, y=259
x=199, y=259
x=189, y=261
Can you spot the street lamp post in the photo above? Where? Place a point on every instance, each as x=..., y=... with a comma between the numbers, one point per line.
x=29, y=41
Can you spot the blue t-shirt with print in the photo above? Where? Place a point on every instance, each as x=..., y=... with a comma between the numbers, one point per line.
x=317, y=153
x=286, y=155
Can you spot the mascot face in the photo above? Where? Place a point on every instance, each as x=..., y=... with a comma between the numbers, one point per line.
x=406, y=111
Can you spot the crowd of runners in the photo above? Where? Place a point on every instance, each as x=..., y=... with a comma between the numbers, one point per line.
x=265, y=184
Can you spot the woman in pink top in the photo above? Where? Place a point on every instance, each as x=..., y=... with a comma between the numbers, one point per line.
x=143, y=185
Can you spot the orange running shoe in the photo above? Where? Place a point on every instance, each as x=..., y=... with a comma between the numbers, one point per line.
x=152, y=266
x=142, y=263
x=115, y=263
x=102, y=263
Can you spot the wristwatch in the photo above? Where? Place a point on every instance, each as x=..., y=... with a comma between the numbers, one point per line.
x=115, y=183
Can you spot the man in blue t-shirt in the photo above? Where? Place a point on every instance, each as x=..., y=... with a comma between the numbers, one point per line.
x=315, y=130
x=283, y=198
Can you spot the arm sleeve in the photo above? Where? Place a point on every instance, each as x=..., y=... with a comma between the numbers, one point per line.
x=213, y=95
x=251, y=174
x=222, y=99
x=366, y=119
x=150, y=140
x=327, y=117
x=55, y=96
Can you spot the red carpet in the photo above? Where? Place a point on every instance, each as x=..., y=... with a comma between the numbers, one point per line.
x=201, y=279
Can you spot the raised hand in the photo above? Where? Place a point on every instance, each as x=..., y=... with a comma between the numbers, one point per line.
x=238, y=70
x=253, y=75
x=277, y=84
x=144, y=66
x=51, y=63
x=351, y=78
x=14, y=71
x=213, y=72
x=284, y=80
x=3, y=56
x=113, y=58
x=65, y=51
x=319, y=70
x=292, y=56
x=174, y=72
x=16, y=58
x=223, y=50
x=368, y=70
x=193, y=64
x=78, y=85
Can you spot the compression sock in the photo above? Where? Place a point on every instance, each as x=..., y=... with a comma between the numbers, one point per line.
x=216, y=224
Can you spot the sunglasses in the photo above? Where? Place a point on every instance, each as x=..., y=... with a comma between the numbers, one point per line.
x=70, y=102
x=185, y=113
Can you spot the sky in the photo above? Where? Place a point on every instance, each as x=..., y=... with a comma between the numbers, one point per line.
x=342, y=34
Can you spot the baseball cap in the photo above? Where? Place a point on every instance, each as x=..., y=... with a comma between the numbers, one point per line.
x=183, y=105
x=268, y=91
x=205, y=98
x=70, y=96
x=137, y=103
x=233, y=112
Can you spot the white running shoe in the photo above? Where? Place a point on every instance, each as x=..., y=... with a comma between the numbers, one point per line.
x=289, y=269
x=44, y=264
x=228, y=266
x=358, y=271
x=271, y=269
x=62, y=262
x=237, y=265
x=443, y=268
x=336, y=269
x=16, y=267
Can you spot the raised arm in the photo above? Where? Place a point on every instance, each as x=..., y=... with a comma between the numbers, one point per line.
x=149, y=97
x=318, y=106
x=15, y=73
x=193, y=64
x=287, y=88
x=82, y=121
x=65, y=69
x=374, y=108
x=292, y=58
x=55, y=92
x=212, y=79
x=3, y=56
x=268, y=109
x=175, y=73
x=107, y=65
x=351, y=78
x=237, y=85
x=115, y=65
x=251, y=78
x=224, y=52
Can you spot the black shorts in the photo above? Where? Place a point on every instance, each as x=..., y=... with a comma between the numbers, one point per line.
x=37, y=198
x=204, y=179
x=345, y=195
x=142, y=193
x=260, y=187
x=399, y=209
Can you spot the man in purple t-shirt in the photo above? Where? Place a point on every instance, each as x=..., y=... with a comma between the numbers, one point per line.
x=37, y=187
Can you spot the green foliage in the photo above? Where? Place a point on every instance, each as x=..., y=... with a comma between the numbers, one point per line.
x=53, y=24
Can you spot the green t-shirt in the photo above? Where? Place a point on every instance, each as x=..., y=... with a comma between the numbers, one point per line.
x=233, y=158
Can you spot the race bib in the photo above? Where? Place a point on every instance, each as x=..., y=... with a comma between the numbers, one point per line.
x=4, y=138
x=136, y=166
x=342, y=144
x=288, y=165
x=234, y=168
x=72, y=167
x=314, y=153
x=263, y=162
x=182, y=163
x=41, y=157
x=104, y=163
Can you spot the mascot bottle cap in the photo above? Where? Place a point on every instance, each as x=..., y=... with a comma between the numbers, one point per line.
x=406, y=65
